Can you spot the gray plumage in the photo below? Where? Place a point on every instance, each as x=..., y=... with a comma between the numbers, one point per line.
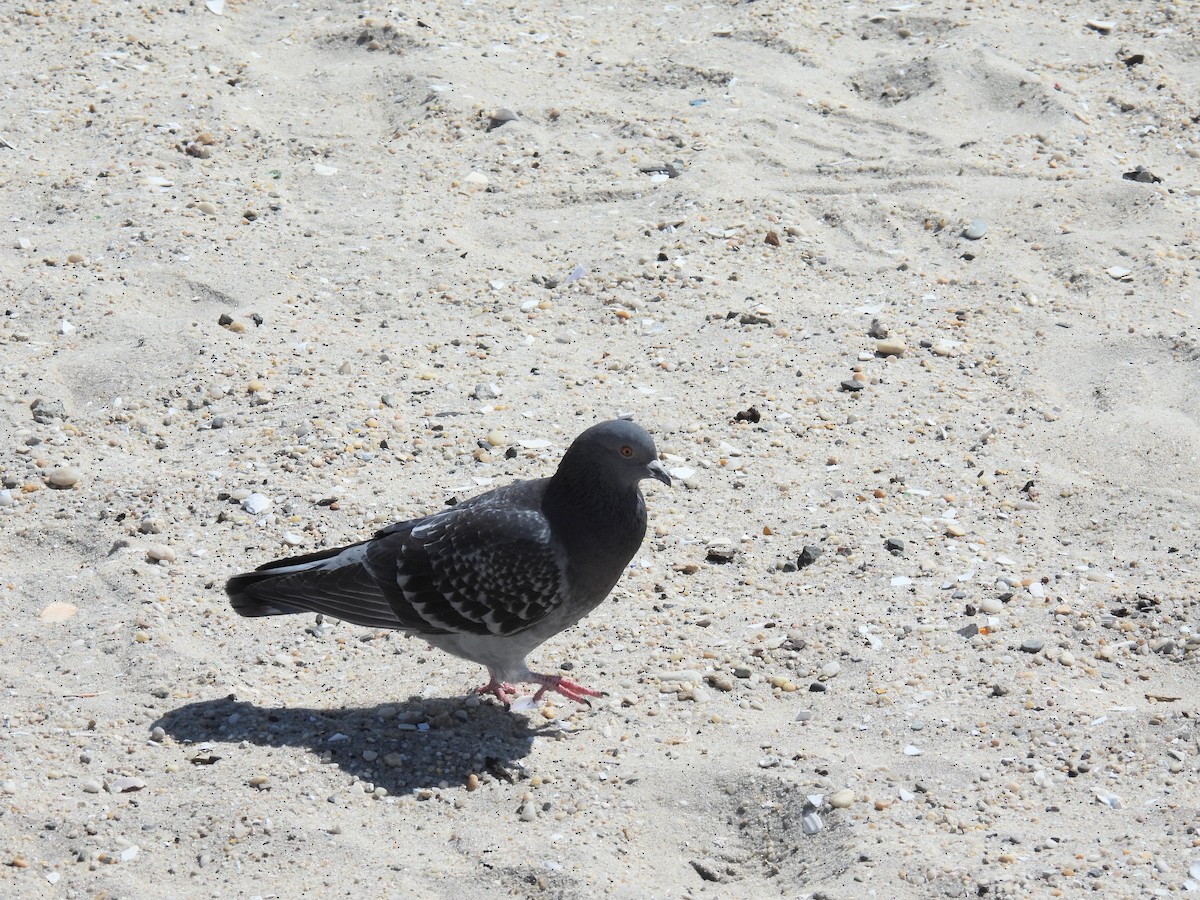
x=493, y=577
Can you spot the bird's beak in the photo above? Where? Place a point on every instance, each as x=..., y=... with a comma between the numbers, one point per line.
x=655, y=470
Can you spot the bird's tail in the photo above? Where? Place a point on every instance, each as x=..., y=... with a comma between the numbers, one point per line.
x=330, y=582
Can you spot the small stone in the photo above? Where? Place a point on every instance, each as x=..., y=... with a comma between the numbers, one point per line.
x=261, y=782
x=256, y=504
x=63, y=478
x=394, y=760
x=6, y=498
x=157, y=734
x=46, y=411
x=890, y=347
x=486, y=392
x=991, y=606
x=830, y=670
x=811, y=822
x=1101, y=25
x=528, y=812
x=160, y=553
x=476, y=180
x=496, y=438
x=894, y=546
x=804, y=715
x=968, y=631
x=501, y=116
x=852, y=386
x=472, y=782
x=720, y=681
x=126, y=784
x=1000, y=689
x=742, y=672
x=1032, y=645
x=720, y=551
x=90, y=786
x=129, y=854
x=708, y=870
x=1067, y=658
x=975, y=230
x=808, y=556
x=58, y=612
x=841, y=799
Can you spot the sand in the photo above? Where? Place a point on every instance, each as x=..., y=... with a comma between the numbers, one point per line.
x=278, y=276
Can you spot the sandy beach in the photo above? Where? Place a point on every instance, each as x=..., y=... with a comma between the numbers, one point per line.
x=907, y=295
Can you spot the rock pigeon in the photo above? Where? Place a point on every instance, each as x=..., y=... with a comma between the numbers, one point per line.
x=493, y=577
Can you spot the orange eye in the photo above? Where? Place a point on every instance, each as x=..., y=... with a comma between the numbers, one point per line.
x=627, y=451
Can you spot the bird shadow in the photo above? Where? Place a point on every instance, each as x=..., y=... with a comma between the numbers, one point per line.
x=402, y=746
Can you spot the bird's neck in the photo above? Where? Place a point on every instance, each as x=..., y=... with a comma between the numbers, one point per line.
x=585, y=512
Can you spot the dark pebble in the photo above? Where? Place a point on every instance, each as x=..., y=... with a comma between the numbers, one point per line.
x=808, y=556
x=817, y=688
x=1033, y=645
x=852, y=386
x=894, y=546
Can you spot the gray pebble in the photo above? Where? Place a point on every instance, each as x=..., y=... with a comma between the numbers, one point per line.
x=1032, y=645
x=46, y=411
x=977, y=229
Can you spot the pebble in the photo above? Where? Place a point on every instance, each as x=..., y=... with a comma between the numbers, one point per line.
x=830, y=670
x=804, y=715
x=811, y=822
x=1067, y=658
x=1032, y=645
x=808, y=556
x=158, y=734
x=63, y=477
x=496, y=438
x=720, y=682
x=126, y=784
x=891, y=347
x=262, y=782
x=6, y=498
x=58, y=612
x=991, y=606
x=975, y=230
x=841, y=799
x=129, y=854
x=160, y=553
x=1101, y=25
x=528, y=812
x=486, y=392
x=46, y=411
x=742, y=672
x=91, y=786
x=256, y=504
x=720, y=551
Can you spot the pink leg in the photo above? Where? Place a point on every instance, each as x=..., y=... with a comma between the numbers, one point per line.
x=502, y=691
x=569, y=689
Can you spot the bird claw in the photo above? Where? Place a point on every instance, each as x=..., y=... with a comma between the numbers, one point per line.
x=501, y=690
x=570, y=689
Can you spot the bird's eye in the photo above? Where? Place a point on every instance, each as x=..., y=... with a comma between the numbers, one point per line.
x=627, y=451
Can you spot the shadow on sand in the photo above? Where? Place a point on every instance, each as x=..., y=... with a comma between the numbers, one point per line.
x=403, y=746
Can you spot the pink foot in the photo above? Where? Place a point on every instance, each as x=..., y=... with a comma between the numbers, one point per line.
x=502, y=691
x=569, y=689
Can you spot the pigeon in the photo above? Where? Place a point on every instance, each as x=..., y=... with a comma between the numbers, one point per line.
x=493, y=577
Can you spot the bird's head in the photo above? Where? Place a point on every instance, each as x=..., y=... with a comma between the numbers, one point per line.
x=620, y=449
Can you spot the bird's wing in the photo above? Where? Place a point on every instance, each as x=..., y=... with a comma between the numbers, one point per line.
x=486, y=569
